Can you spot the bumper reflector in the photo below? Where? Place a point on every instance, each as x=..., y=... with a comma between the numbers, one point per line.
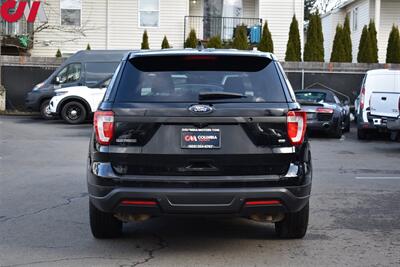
x=139, y=202
x=262, y=202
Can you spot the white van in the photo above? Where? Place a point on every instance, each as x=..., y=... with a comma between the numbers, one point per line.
x=379, y=100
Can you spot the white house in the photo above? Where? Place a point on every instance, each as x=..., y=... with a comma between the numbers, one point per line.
x=106, y=24
x=385, y=13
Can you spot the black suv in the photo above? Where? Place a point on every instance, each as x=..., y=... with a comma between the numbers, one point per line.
x=199, y=132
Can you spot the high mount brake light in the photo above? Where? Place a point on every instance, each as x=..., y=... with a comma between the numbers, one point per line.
x=296, y=126
x=200, y=58
x=324, y=110
x=103, y=122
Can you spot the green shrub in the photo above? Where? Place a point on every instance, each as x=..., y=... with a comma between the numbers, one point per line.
x=314, y=47
x=393, y=48
x=266, y=43
x=214, y=42
x=240, y=39
x=191, y=41
x=365, y=52
x=374, y=42
x=88, y=47
x=145, y=41
x=348, y=46
x=58, y=53
x=338, y=50
x=165, y=44
x=293, y=47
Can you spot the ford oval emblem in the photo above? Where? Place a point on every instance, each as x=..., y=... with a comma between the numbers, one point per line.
x=201, y=109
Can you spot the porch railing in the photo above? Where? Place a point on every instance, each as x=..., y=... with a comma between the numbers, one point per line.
x=13, y=29
x=224, y=27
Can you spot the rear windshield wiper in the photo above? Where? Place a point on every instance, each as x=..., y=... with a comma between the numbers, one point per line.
x=219, y=95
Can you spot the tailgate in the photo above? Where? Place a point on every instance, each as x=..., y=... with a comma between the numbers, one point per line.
x=385, y=104
x=248, y=143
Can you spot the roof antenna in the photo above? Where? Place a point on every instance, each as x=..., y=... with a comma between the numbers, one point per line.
x=200, y=45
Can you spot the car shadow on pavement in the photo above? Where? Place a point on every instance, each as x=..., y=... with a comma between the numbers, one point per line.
x=201, y=228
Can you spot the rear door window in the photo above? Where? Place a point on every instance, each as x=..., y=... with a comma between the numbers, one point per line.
x=183, y=78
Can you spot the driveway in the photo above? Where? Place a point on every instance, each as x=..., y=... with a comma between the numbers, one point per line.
x=355, y=210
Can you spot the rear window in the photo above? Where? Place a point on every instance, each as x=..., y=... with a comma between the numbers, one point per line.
x=183, y=78
x=311, y=97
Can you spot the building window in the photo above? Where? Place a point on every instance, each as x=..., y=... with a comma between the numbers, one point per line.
x=355, y=19
x=149, y=13
x=71, y=12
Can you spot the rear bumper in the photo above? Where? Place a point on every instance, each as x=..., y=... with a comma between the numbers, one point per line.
x=393, y=125
x=381, y=123
x=194, y=195
x=229, y=201
x=315, y=125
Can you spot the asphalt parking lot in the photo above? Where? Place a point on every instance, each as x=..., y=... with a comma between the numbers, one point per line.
x=355, y=210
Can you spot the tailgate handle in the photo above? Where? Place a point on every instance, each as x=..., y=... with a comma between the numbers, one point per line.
x=199, y=167
x=383, y=98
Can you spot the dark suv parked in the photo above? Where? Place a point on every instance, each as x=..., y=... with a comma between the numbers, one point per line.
x=199, y=132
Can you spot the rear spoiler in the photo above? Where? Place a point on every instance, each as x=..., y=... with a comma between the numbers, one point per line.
x=305, y=103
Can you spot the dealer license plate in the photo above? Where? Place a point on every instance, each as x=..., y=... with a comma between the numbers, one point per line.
x=208, y=138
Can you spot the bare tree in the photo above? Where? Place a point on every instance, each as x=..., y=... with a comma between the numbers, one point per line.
x=327, y=5
x=74, y=33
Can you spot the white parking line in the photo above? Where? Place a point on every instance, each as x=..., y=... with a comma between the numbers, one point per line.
x=377, y=178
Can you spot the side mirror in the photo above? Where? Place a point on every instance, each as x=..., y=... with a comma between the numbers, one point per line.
x=346, y=102
x=57, y=80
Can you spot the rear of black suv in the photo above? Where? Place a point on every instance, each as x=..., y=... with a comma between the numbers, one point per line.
x=211, y=132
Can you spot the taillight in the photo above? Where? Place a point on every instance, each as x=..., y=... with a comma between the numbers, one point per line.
x=296, y=126
x=104, y=126
x=324, y=110
x=362, y=98
x=398, y=105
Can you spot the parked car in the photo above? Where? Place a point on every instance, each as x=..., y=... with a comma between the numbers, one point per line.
x=325, y=112
x=385, y=105
x=172, y=137
x=75, y=104
x=379, y=101
x=85, y=68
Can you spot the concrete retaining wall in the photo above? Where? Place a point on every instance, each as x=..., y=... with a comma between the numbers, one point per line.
x=20, y=74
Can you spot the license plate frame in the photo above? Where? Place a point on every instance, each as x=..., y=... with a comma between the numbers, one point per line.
x=196, y=138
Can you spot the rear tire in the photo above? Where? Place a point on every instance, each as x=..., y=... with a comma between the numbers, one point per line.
x=361, y=134
x=102, y=224
x=338, y=132
x=45, y=110
x=294, y=225
x=347, y=125
x=74, y=112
